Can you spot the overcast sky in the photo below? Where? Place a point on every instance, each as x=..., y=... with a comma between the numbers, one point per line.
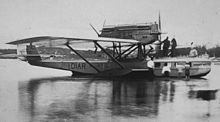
x=188, y=21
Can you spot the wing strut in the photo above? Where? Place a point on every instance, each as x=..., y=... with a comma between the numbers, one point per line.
x=113, y=59
x=67, y=44
x=95, y=30
x=119, y=56
x=131, y=51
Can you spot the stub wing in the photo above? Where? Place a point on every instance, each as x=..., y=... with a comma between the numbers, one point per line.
x=56, y=41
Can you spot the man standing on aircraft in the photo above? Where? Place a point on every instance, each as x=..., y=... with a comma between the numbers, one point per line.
x=193, y=52
x=150, y=65
x=173, y=47
x=187, y=70
x=166, y=70
x=166, y=45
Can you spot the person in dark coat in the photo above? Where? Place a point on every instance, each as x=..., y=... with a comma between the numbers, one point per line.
x=166, y=45
x=187, y=70
x=173, y=47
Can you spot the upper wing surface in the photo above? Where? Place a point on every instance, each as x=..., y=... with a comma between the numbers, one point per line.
x=63, y=40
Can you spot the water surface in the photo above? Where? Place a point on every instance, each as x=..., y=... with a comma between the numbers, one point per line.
x=35, y=94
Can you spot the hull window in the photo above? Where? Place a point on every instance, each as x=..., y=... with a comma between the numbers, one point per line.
x=157, y=65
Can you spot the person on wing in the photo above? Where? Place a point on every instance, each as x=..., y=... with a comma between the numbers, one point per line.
x=150, y=65
x=193, y=53
x=166, y=45
x=180, y=69
x=173, y=47
x=187, y=70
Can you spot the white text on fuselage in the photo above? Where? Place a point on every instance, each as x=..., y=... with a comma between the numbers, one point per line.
x=78, y=66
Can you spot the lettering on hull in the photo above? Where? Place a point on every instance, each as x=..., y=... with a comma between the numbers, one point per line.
x=79, y=66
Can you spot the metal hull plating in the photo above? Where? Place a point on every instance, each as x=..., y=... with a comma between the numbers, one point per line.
x=198, y=67
x=105, y=67
x=194, y=72
x=132, y=68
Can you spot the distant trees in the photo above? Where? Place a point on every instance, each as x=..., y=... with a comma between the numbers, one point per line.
x=201, y=50
x=8, y=51
x=215, y=51
x=182, y=51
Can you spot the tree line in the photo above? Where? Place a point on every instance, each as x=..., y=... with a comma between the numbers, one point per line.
x=212, y=52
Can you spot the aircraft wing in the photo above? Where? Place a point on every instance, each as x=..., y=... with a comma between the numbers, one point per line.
x=63, y=40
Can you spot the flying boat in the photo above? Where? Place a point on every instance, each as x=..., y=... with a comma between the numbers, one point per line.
x=122, y=50
x=117, y=62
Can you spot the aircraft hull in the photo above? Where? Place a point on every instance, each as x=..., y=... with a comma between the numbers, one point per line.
x=198, y=67
x=133, y=68
x=105, y=67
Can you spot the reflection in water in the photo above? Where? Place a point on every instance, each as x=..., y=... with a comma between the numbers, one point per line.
x=207, y=94
x=87, y=99
x=204, y=93
x=167, y=90
x=138, y=97
x=201, y=90
x=53, y=99
x=67, y=99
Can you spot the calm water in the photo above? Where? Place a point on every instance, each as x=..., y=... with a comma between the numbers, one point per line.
x=35, y=94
